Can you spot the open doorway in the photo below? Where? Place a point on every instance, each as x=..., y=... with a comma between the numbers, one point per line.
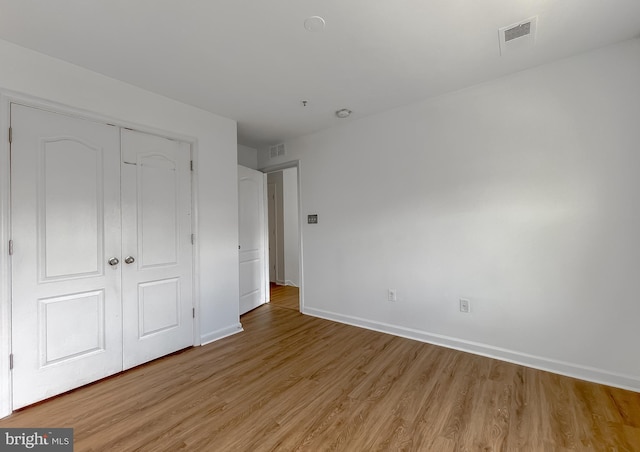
x=285, y=296
x=284, y=238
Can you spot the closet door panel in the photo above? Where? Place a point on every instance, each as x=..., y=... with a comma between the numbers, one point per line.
x=156, y=242
x=66, y=309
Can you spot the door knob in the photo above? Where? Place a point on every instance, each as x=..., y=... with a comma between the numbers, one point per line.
x=114, y=261
x=129, y=260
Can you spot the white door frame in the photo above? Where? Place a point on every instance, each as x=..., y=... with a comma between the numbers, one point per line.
x=265, y=212
x=280, y=167
x=6, y=98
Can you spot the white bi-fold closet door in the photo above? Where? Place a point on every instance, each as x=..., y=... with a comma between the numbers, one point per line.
x=102, y=252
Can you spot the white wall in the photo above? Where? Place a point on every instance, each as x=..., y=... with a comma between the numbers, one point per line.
x=522, y=195
x=291, y=226
x=35, y=74
x=247, y=156
x=277, y=239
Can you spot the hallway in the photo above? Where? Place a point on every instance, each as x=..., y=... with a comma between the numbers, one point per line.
x=285, y=296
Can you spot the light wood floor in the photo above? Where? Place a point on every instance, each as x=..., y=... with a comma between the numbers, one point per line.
x=285, y=296
x=293, y=382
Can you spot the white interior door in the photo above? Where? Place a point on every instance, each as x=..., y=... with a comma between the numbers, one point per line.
x=251, y=237
x=156, y=247
x=65, y=198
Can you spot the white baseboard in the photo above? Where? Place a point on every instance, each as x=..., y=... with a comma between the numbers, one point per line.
x=290, y=283
x=537, y=362
x=221, y=333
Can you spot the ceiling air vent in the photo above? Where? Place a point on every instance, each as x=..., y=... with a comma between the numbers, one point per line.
x=517, y=32
x=276, y=150
x=518, y=36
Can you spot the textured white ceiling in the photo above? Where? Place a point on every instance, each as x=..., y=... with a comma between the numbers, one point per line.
x=253, y=61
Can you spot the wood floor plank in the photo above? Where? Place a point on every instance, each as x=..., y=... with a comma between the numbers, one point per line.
x=285, y=296
x=293, y=382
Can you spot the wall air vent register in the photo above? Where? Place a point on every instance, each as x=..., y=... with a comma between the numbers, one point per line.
x=518, y=36
x=276, y=150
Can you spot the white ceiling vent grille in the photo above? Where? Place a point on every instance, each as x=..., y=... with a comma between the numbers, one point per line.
x=517, y=32
x=518, y=36
x=276, y=151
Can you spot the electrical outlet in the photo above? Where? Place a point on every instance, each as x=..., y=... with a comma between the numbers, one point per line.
x=465, y=305
x=392, y=295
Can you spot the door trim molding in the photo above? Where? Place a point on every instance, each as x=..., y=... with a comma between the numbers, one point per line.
x=7, y=97
x=5, y=271
x=265, y=238
x=195, y=255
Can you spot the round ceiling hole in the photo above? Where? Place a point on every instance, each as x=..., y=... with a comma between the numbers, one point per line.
x=314, y=23
x=344, y=113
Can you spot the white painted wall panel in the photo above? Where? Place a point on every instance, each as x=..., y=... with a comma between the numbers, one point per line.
x=521, y=195
x=247, y=156
x=279, y=242
x=291, y=226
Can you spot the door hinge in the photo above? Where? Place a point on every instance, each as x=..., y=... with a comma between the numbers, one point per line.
x=193, y=239
x=10, y=247
x=11, y=361
x=10, y=135
x=193, y=311
x=191, y=165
